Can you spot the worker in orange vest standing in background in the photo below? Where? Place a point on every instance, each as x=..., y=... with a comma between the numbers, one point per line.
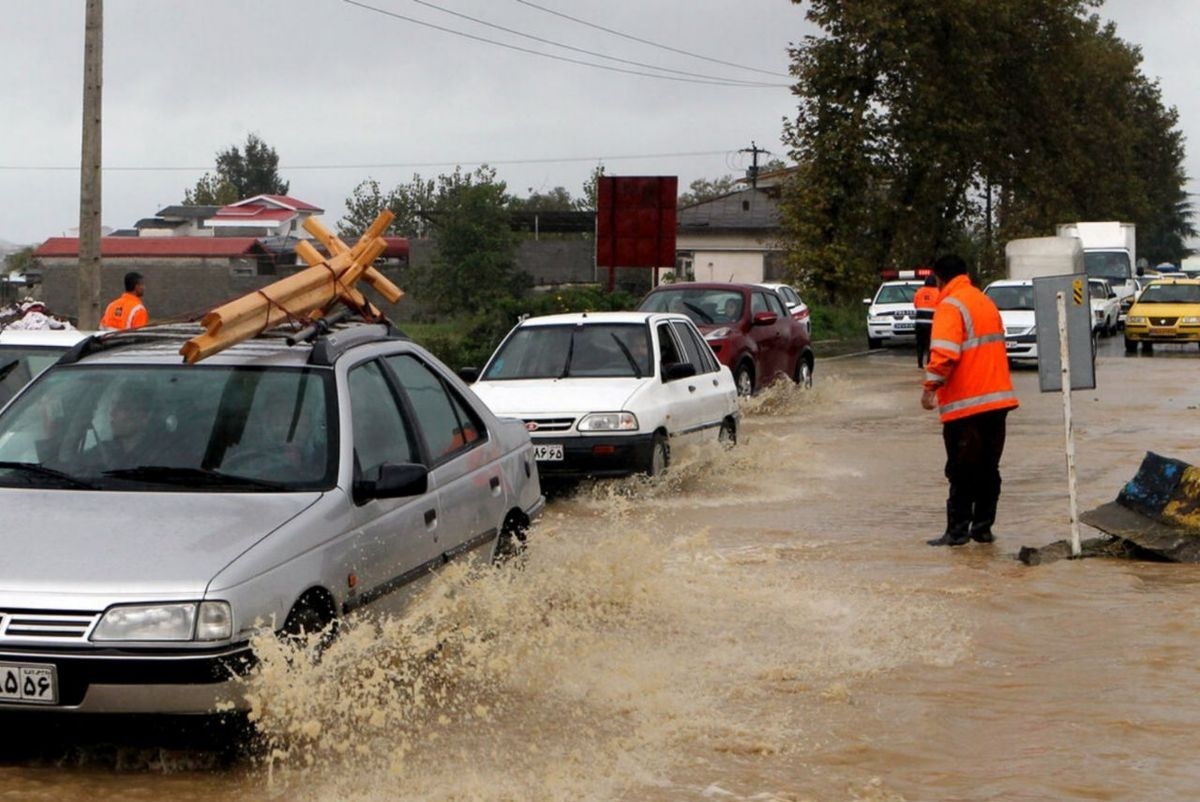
x=128, y=311
x=925, y=300
x=967, y=381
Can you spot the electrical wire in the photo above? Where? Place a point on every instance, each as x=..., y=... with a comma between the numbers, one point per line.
x=585, y=52
x=567, y=59
x=376, y=166
x=638, y=39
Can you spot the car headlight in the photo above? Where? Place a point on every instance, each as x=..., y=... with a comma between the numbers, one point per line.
x=184, y=621
x=609, y=422
x=1191, y=321
x=719, y=334
x=1136, y=320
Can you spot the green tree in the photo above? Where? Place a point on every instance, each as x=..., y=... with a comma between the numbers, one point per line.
x=556, y=200
x=20, y=261
x=474, y=263
x=591, y=191
x=406, y=202
x=705, y=189
x=239, y=174
x=974, y=122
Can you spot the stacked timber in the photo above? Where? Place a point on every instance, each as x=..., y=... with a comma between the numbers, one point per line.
x=305, y=297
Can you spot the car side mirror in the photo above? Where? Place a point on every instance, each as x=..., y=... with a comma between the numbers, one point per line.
x=673, y=371
x=395, y=480
x=468, y=375
x=765, y=318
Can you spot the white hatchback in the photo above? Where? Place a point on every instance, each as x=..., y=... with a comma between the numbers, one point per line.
x=608, y=393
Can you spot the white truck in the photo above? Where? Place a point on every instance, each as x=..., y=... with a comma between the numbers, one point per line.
x=1109, y=252
x=1025, y=260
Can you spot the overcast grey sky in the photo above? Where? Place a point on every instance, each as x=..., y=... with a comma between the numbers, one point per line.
x=330, y=83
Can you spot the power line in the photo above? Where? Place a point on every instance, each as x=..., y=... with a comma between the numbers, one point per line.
x=376, y=166
x=638, y=39
x=574, y=49
x=566, y=59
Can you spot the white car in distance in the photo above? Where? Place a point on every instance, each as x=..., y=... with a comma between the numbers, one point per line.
x=609, y=393
x=1014, y=299
x=1106, y=307
x=794, y=304
x=891, y=316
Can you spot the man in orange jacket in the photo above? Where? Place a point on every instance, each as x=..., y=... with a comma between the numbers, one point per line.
x=128, y=311
x=925, y=300
x=967, y=381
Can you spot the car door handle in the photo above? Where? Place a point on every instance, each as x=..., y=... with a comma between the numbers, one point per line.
x=691, y=388
x=430, y=517
x=716, y=383
x=494, y=484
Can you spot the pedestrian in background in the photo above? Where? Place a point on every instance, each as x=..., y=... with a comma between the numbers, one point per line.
x=127, y=311
x=967, y=381
x=925, y=299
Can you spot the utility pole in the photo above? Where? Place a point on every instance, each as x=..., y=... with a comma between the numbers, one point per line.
x=88, y=293
x=752, y=173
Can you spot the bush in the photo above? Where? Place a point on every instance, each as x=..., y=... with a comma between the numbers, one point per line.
x=838, y=321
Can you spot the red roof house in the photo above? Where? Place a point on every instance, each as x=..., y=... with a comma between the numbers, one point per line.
x=262, y=215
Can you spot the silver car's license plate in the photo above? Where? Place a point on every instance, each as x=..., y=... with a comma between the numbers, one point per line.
x=32, y=684
x=552, y=452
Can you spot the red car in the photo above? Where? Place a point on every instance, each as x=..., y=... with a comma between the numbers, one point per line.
x=746, y=326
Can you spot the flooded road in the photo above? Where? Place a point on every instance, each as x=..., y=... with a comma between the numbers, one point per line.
x=761, y=625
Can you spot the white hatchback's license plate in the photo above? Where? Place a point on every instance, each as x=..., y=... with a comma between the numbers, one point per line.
x=32, y=684
x=548, y=453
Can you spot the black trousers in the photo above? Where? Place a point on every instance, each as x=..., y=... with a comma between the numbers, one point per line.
x=974, y=445
x=923, y=330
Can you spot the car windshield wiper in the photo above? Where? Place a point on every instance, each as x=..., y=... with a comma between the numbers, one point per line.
x=198, y=477
x=700, y=312
x=570, y=353
x=637, y=370
x=34, y=469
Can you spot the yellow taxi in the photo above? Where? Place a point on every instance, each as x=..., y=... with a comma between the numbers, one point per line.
x=1166, y=311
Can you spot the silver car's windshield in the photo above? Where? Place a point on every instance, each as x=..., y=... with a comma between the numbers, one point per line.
x=172, y=428
x=558, y=352
x=20, y=363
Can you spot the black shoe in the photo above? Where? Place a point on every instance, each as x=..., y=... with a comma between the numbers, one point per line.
x=983, y=537
x=948, y=540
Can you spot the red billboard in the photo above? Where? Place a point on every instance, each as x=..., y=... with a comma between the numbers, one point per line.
x=635, y=222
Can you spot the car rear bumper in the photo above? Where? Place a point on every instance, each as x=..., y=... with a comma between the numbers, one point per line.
x=112, y=681
x=600, y=457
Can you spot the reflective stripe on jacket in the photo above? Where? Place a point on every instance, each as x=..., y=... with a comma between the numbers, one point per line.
x=127, y=312
x=968, y=365
x=925, y=300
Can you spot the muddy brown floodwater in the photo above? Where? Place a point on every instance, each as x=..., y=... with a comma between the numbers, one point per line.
x=761, y=625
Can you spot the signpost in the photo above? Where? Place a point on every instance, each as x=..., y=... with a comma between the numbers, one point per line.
x=635, y=222
x=1066, y=359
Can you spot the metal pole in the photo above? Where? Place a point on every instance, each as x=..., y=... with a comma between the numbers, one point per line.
x=88, y=288
x=1064, y=355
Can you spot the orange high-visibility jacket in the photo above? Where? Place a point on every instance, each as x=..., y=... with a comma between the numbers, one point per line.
x=968, y=365
x=925, y=299
x=127, y=312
